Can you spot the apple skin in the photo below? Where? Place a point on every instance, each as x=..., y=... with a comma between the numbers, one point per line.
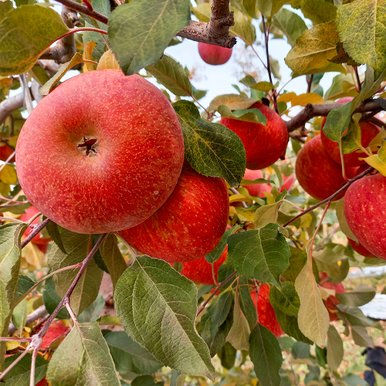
x=200, y=271
x=138, y=154
x=213, y=54
x=264, y=144
x=359, y=248
x=365, y=211
x=265, y=312
x=316, y=172
x=38, y=240
x=189, y=225
x=258, y=190
x=5, y=151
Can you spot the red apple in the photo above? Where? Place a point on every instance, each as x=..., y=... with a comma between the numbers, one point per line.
x=265, y=312
x=359, y=248
x=189, y=224
x=213, y=54
x=264, y=144
x=288, y=181
x=332, y=301
x=365, y=211
x=317, y=173
x=258, y=190
x=38, y=240
x=202, y=272
x=101, y=153
x=57, y=330
x=5, y=151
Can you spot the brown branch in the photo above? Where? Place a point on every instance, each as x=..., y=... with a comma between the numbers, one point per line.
x=330, y=198
x=10, y=104
x=36, y=231
x=84, y=10
x=39, y=313
x=311, y=111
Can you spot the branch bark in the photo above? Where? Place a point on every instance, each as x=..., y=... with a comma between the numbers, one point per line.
x=311, y=111
x=10, y=104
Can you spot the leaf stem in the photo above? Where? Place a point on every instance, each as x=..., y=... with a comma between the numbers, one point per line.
x=85, y=10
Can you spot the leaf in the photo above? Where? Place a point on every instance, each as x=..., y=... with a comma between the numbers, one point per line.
x=291, y=24
x=269, y=7
x=301, y=99
x=355, y=298
x=285, y=299
x=108, y=61
x=216, y=252
x=210, y=148
x=261, y=254
x=83, y=358
x=130, y=358
x=25, y=33
x=76, y=247
x=232, y=101
x=335, y=350
x=8, y=175
x=172, y=75
x=313, y=50
x=362, y=29
x=342, y=85
x=20, y=374
x=113, y=258
x=243, y=27
x=157, y=307
x=54, y=81
x=313, y=316
x=267, y=214
x=238, y=335
x=319, y=11
x=339, y=207
x=378, y=161
x=141, y=30
x=266, y=356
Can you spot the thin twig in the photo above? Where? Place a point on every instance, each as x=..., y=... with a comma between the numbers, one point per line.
x=331, y=197
x=33, y=366
x=37, y=229
x=84, y=10
x=10, y=104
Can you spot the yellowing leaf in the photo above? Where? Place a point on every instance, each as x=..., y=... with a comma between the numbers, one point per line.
x=108, y=61
x=314, y=49
x=8, y=175
x=300, y=100
x=87, y=56
x=378, y=161
x=232, y=101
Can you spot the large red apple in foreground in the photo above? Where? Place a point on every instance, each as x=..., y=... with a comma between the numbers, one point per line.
x=365, y=211
x=316, y=172
x=213, y=54
x=189, y=224
x=265, y=312
x=101, y=153
x=202, y=272
x=264, y=144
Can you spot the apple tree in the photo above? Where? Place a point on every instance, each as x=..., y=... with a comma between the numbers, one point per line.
x=152, y=237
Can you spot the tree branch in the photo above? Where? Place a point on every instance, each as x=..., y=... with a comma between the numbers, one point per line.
x=10, y=104
x=84, y=10
x=36, y=231
x=311, y=111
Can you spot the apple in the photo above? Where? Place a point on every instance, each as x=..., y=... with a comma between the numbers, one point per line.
x=189, y=225
x=5, y=151
x=57, y=331
x=100, y=153
x=213, y=54
x=359, y=248
x=316, y=172
x=365, y=211
x=258, y=190
x=264, y=144
x=332, y=301
x=202, y=272
x=265, y=312
x=38, y=240
x=288, y=182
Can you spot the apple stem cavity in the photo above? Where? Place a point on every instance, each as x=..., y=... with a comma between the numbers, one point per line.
x=88, y=145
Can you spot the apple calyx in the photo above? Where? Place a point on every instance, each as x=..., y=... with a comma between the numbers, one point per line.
x=88, y=145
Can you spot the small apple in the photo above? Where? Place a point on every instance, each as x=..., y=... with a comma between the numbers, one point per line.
x=316, y=172
x=189, y=225
x=265, y=312
x=5, y=151
x=264, y=144
x=258, y=190
x=202, y=272
x=213, y=54
x=100, y=153
x=359, y=248
x=365, y=211
x=38, y=240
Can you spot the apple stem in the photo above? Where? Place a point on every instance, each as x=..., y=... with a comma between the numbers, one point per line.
x=37, y=230
x=330, y=198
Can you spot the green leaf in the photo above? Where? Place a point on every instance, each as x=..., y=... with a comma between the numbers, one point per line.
x=232, y=101
x=172, y=75
x=342, y=85
x=297, y=260
x=77, y=247
x=335, y=350
x=130, y=358
x=20, y=374
x=157, y=307
x=269, y=7
x=285, y=299
x=238, y=335
x=362, y=29
x=319, y=11
x=25, y=33
x=83, y=358
x=246, y=302
x=214, y=255
x=313, y=316
x=261, y=254
x=355, y=298
x=248, y=115
x=51, y=299
x=338, y=120
x=291, y=24
x=112, y=257
x=243, y=27
x=210, y=148
x=314, y=49
x=141, y=30
x=267, y=214
x=266, y=356
x=5, y=6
